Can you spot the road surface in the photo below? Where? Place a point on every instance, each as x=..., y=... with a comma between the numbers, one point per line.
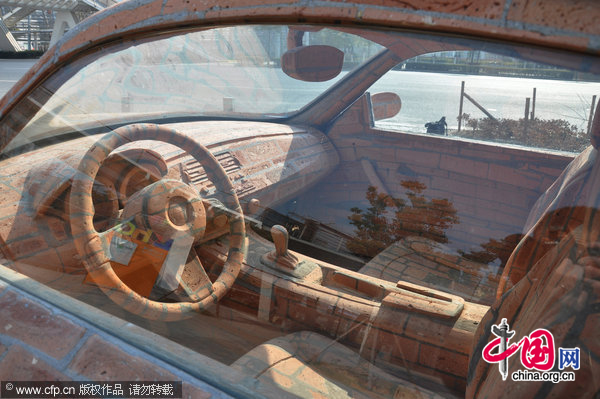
x=11, y=71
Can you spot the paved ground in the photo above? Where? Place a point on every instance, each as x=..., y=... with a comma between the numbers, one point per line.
x=11, y=71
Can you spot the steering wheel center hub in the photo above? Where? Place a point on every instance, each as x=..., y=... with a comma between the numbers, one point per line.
x=180, y=211
x=168, y=208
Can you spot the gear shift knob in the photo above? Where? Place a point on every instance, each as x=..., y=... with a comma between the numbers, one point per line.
x=280, y=258
x=280, y=239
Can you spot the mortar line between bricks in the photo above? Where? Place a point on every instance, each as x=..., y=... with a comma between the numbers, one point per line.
x=133, y=351
x=68, y=358
x=6, y=289
x=62, y=364
x=90, y=330
x=59, y=364
x=37, y=353
x=2, y=356
x=505, y=11
x=108, y=335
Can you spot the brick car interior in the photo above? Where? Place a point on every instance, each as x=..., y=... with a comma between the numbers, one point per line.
x=244, y=251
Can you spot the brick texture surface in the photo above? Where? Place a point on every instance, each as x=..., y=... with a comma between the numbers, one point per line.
x=39, y=332
x=102, y=361
x=21, y=365
x=491, y=9
x=37, y=326
x=577, y=15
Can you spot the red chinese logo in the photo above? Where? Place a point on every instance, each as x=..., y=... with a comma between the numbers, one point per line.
x=537, y=349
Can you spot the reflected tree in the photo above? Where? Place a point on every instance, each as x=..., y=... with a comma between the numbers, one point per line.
x=494, y=249
x=389, y=219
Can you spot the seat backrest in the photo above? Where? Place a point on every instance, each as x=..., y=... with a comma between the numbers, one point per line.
x=556, y=213
x=551, y=282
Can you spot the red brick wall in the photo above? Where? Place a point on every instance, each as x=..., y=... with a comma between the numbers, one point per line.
x=40, y=342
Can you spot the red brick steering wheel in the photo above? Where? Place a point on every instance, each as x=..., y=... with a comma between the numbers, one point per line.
x=189, y=215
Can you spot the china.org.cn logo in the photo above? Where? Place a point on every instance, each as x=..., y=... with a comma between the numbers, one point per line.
x=538, y=355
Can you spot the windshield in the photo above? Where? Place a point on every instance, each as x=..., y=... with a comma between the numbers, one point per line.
x=225, y=72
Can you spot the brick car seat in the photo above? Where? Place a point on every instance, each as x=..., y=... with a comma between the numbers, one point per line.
x=554, y=286
x=307, y=364
x=556, y=213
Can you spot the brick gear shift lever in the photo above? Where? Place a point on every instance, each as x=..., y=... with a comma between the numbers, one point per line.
x=280, y=238
x=281, y=257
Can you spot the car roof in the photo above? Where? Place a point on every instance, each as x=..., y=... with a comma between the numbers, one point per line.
x=561, y=24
